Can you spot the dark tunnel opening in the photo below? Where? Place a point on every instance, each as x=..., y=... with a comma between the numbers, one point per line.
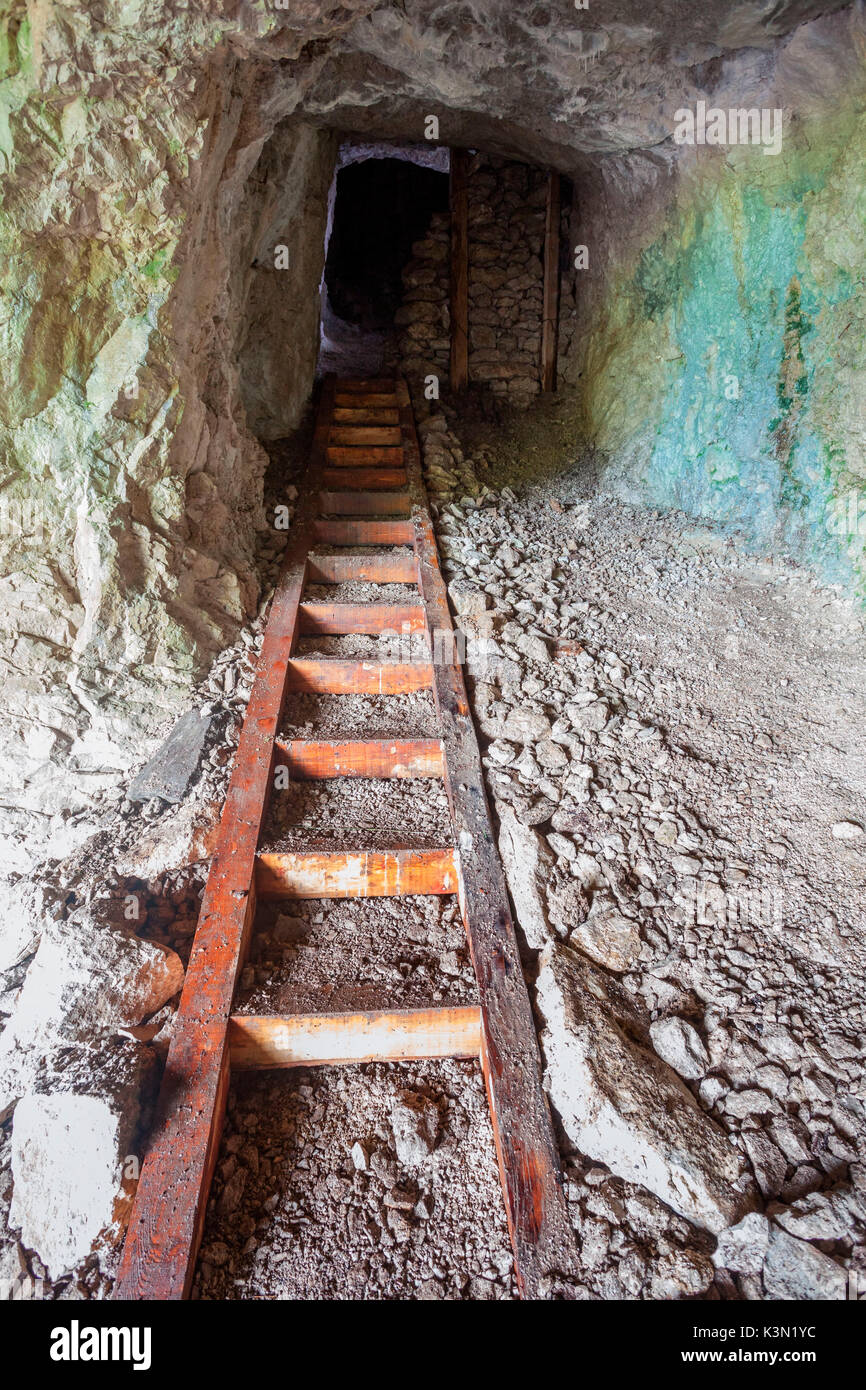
x=381, y=208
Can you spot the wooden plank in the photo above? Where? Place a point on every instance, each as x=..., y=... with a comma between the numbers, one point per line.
x=310, y=1040
x=309, y=761
x=358, y=677
x=541, y=1230
x=400, y=567
x=366, y=414
x=370, y=479
x=353, y=399
x=364, y=503
x=459, y=270
x=356, y=874
x=365, y=386
x=335, y=618
x=365, y=435
x=336, y=532
x=550, y=300
x=357, y=456
x=169, y=1208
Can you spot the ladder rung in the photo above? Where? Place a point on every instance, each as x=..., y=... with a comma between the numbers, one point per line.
x=378, y=479
x=336, y=532
x=366, y=415
x=365, y=385
x=306, y=1040
x=364, y=434
x=393, y=873
x=335, y=618
x=353, y=457
x=398, y=568
x=358, y=677
x=365, y=503
x=366, y=398
x=309, y=761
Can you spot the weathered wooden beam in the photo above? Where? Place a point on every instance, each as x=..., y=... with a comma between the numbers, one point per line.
x=365, y=414
x=365, y=386
x=364, y=503
x=459, y=270
x=309, y=1040
x=324, y=619
x=365, y=435
x=309, y=761
x=336, y=532
x=368, y=399
x=550, y=300
x=376, y=479
x=331, y=677
x=356, y=455
x=400, y=567
x=356, y=874
x=537, y=1212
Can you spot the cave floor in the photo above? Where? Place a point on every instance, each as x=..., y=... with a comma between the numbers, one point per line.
x=718, y=807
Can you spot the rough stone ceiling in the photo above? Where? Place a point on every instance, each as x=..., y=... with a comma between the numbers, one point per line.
x=548, y=82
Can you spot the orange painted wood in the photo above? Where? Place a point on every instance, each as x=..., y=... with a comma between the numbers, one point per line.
x=541, y=1231
x=358, y=677
x=364, y=434
x=392, y=873
x=314, y=1040
x=365, y=414
x=169, y=1208
x=366, y=386
x=359, y=456
x=336, y=532
x=364, y=503
x=375, y=479
x=308, y=761
x=365, y=398
x=400, y=567
x=372, y=618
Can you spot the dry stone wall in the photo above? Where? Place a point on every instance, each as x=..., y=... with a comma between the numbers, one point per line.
x=506, y=236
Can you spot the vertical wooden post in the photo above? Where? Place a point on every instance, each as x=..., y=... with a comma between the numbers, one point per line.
x=550, y=307
x=459, y=270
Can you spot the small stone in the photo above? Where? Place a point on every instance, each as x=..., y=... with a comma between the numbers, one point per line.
x=679, y=1044
x=415, y=1126
x=169, y=772
x=795, y=1270
x=742, y=1247
x=847, y=830
x=360, y=1157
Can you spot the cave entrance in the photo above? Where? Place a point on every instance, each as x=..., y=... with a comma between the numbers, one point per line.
x=381, y=202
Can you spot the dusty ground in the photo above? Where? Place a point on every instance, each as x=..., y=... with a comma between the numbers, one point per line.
x=680, y=727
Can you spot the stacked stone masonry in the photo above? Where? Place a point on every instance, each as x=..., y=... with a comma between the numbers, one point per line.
x=506, y=235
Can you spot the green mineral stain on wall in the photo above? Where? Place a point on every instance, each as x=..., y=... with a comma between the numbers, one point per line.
x=728, y=368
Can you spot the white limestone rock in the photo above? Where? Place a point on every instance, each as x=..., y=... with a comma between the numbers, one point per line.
x=679, y=1044
x=87, y=979
x=73, y=1170
x=621, y=1105
x=528, y=863
x=742, y=1247
x=795, y=1270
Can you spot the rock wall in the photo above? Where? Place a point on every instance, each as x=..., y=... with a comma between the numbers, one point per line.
x=718, y=341
x=506, y=236
x=143, y=339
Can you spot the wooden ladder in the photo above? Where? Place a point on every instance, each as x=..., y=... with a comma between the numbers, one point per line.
x=364, y=488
